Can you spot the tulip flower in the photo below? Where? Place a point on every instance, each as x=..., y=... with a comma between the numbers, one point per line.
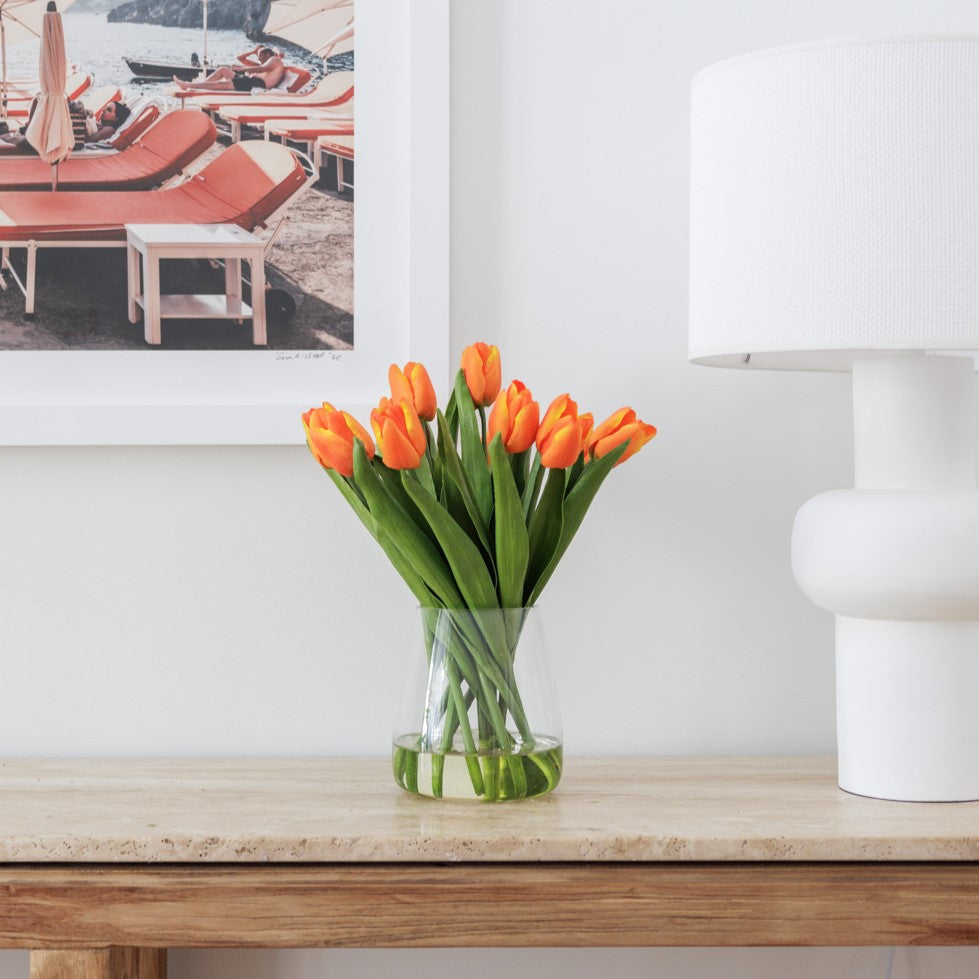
x=620, y=427
x=515, y=416
x=481, y=366
x=399, y=432
x=330, y=435
x=414, y=385
x=562, y=433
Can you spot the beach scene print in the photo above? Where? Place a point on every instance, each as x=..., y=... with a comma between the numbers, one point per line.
x=177, y=175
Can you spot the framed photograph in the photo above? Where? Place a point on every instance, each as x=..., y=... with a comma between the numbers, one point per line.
x=171, y=394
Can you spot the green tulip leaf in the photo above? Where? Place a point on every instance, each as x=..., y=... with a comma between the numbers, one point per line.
x=350, y=494
x=466, y=563
x=397, y=559
x=512, y=540
x=454, y=504
x=411, y=578
x=576, y=505
x=454, y=472
x=473, y=451
x=532, y=488
x=546, y=525
x=424, y=557
x=391, y=480
x=452, y=408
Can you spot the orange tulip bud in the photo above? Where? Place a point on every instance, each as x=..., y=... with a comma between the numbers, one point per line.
x=481, y=366
x=621, y=426
x=399, y=432
x=414, y=385
x=561, y=435
x=515, y=416
x=330, y=435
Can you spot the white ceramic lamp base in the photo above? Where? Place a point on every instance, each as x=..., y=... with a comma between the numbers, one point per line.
x=907, y=723
x=897, y=560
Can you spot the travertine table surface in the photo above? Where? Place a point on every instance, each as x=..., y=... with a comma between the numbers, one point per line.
x=106, y=864
x=350, y=810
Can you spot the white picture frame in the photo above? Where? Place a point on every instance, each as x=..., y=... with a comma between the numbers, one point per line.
x=401, y=297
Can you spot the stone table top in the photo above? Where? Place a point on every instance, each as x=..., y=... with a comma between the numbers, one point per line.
x=349, y=810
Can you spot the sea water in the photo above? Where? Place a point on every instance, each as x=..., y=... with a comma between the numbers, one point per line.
x=98, y=48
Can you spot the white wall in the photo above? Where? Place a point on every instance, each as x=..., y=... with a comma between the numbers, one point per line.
x=224, y=601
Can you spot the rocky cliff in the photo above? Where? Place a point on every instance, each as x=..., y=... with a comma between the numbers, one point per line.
x=222, y=15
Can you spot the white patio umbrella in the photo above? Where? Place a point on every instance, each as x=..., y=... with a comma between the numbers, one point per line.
x=313, y=24
x=340, y=42
x=49, y=130
x=19, y=20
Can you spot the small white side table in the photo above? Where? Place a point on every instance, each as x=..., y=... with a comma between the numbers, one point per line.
x=221, y=241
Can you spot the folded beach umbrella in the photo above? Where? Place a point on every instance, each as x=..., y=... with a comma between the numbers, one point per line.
x=313, y=24
x=19, y=20
x=49, y=130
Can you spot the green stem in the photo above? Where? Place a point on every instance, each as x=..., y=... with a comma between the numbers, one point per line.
x=549, y=766
x=490, y=777
x=411, y=771
x=461, y=709
x=398, y=764
x=503, y=739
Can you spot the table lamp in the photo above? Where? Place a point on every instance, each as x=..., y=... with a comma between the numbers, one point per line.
x=834, y=225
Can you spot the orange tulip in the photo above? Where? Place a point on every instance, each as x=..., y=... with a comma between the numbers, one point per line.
x=561, y=435
x=515, y=416
x=620, y=427
x=330, y=435
x=481, y=365
x=414, y=385
x=399, y=432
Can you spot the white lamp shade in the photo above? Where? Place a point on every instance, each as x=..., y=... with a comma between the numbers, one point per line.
x=834, y=203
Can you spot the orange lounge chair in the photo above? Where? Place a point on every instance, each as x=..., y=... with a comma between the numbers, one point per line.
x=329, y=122
x=245, y=185
x=295, y=80
x=341, y=148
x=95, y=99
x=75, y=85
x=139, y=124
x=308, y=131
x=335, y=89
x=163, y=152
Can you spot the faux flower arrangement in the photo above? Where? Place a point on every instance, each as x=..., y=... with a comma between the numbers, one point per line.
x=474, y=513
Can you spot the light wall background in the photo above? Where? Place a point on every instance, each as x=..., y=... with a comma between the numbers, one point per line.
x=223, y=601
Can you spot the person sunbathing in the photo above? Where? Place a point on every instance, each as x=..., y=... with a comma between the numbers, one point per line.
x=251, y=57
x=113, y=116
x=269, y=71
x=85, y=127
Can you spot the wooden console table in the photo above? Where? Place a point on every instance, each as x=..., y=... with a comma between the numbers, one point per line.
x=106, y=864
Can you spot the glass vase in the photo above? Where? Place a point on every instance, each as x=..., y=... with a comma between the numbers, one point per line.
x=479, y=718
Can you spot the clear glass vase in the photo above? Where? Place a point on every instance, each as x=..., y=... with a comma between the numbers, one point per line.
x=479, y=718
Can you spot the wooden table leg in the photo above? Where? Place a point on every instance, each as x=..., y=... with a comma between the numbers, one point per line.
x=151, y=298
x=232, y=280
x=132, y=275
x=259, y=328
x=100, y=963
x=31, y=280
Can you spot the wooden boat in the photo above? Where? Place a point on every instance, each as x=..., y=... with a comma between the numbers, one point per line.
x=160, y=69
